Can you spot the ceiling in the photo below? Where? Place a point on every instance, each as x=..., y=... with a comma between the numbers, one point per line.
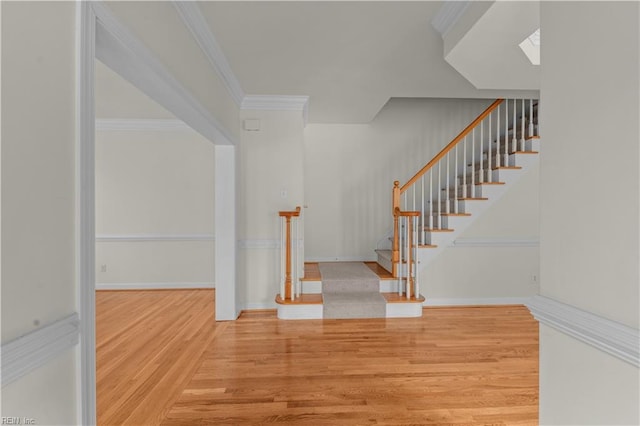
x=350, y=58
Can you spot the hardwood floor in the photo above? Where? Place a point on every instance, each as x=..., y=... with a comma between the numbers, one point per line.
x=175, y=366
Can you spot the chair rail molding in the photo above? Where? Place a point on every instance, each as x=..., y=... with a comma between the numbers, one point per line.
x=496, y=242
x=117, y=238
x=609, y=336
x=26, y=353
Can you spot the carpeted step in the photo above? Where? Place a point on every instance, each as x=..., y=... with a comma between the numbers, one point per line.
x=360, y=304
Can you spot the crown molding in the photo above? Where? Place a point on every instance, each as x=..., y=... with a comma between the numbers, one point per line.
x=196, y=23
x=609, y=336
x=277, y=103
x=136, y=124
x=35, y=349
x=448, y=15
x=121, y=51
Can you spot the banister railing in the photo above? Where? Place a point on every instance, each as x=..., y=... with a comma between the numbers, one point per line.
x=471, y=159
x=407, y=222
x=290, y=258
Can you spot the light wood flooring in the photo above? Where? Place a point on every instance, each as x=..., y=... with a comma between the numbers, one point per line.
x=162, y=360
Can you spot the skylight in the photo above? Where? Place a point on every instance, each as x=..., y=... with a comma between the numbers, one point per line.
x=531, y=47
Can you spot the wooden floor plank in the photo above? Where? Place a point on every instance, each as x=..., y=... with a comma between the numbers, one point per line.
x=163, y=360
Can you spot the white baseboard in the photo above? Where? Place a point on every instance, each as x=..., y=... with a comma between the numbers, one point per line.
x=259, y=305
x=36, y=348
x=153, y=286
x=484, y=301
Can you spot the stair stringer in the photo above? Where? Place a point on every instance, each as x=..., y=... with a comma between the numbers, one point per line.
x=477, y=208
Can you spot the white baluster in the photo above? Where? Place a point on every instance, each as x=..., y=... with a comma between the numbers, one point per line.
x=464, y=169
x=489, y=151
x=438, y=218
x=431, y=226
x=400, y=248
x=498, y=137
x=473, y=162
x=422, y=234
x=283, y=246
x=481, y=174
x=416, y=290
x=530, y=117
x=514, y=140
x=522, y=126
x=455, y=180
x=446, y=185
x=506, y=132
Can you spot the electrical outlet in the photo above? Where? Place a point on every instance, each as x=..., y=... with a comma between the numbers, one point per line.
x=103, y=267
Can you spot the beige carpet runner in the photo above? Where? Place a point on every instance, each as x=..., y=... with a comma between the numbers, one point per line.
x=351, y=290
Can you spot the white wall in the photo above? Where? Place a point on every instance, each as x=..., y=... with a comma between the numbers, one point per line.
x=38, y=196
x=159, y=27
x=349, y=174
x=154, y=185
x=589, y=242
x=503, y=263
x=271, y=161
x=350, y=169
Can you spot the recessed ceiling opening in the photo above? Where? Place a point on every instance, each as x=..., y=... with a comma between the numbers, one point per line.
x=531, y=47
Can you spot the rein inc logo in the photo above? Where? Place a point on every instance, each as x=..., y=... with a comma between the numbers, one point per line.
x=17, y=421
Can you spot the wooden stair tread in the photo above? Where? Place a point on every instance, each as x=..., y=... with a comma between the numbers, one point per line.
x=303, y=299
x=311, y=272
x=396, y=298
x=438, y=230
x=489, y=183
x=427, y=246
x=524, y=152
x=455, y=214
x=507, y=168
x=381, y=272
x=473, y=198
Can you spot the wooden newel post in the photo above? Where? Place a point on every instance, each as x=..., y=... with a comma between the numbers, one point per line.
x=287, y=279
x=395, y=249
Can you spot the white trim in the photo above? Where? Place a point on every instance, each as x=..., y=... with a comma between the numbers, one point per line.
x=259, y=244
x=226, y=244
x=85, y=210
x=609, y=336
x=277, y=103
x=448, y=15
x=259, y=305
x=140, y=124
x=121, y=51
x=495, y=242
x=196, y=23
x=485, y=301
x=36, y=348
x=153, y=286
x=300, y=312
x=153, y=237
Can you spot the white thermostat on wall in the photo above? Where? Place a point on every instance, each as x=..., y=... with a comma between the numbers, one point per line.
x=251, y=125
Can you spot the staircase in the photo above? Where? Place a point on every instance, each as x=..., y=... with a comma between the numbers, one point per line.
x=434, y=207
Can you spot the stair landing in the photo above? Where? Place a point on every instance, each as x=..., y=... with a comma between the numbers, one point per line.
x=309, y=305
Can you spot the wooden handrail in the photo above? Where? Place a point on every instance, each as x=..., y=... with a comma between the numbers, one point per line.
x=451, y=144
x=294, y=213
